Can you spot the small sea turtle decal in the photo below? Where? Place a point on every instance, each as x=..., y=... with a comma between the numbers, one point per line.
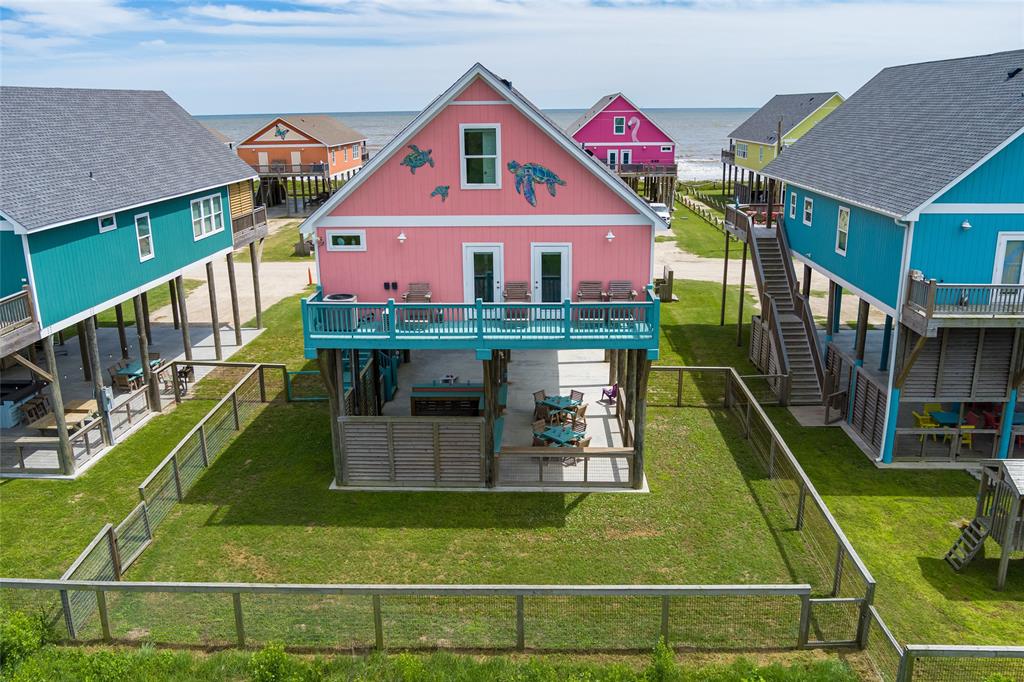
x=416, y=158
x=280, y=132
x=529, y=173
x=441, y=191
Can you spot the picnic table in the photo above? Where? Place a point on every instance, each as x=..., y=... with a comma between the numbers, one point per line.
x=560, y=435
x=560, y=402
x=134, y=368
x=48, y=425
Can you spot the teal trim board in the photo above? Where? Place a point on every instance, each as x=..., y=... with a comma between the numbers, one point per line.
x=13, y=274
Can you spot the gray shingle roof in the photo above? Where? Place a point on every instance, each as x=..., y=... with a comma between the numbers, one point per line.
x=327, y=129
x=909, y=132
x=67, y=154
x=762, y=126
x=590, y=113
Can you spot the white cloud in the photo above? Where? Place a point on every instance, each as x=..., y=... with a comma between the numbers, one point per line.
x=159, y=42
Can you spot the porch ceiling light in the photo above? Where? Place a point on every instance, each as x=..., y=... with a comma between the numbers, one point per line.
x=402, y=237
x=965, y=225
x=610, y=236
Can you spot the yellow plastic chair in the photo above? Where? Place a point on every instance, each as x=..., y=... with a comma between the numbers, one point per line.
x=966, y=438
x=924, y=421
x=932, y=407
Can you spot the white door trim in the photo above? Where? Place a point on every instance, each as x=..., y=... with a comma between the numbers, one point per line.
x=536, y=248
x=1001, y=243
x=468, y=249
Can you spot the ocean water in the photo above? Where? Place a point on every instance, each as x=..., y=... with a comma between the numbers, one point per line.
x=700, y=134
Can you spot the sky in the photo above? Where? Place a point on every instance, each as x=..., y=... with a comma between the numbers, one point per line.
x=389, y=55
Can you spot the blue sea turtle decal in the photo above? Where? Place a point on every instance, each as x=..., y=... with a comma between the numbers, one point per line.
x=441, y=191
x=416, y=158
x=529, y=173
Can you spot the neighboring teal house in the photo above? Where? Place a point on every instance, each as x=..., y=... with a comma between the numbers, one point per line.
x=105, y=194
x=910, y=197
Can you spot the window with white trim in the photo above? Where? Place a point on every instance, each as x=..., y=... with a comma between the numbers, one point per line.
x=792, y=205
x=842, y=230
x=741, y=150
x=480, y=151
x=760, y=152
x=334, y=156
x=346, y=240
x=355, y=152
x=666, y=148
x=344, y=153
x=627, y=156
x=619, y=125
x=207, y=216
x=144, y=235
x=613, y=158
x=107, y=223
x=808, y=211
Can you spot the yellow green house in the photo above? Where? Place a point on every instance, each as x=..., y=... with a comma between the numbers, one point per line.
x=776, y=125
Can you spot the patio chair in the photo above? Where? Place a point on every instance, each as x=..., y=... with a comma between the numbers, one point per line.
x=966, y=437
x=576, y=395
x=590, y=292
x=517, y=292
x=924, y=421
x=932, y=407
x=539, y=442
x=579, y=420
x=419, y=292
x=610, y=394
x=539, y=426
x=621, y=290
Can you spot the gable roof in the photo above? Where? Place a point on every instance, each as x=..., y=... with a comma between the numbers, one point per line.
x=762, y=126
x=527, y=108
x=602, y=104
x=221, y=137
x=69, y=154
x=910, y=133
x=321, y=127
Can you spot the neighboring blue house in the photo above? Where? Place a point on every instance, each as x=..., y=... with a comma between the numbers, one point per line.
x=104, y=194
x=910, y=196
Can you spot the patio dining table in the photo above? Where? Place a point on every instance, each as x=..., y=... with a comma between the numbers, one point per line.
x=560, y=435
x=560, y=402
x=944, y=418
x=134, y=369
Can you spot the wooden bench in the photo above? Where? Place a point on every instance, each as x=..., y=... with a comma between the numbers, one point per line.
x=446, y=404
x=590, y=291
x=419, y=292
x=621, y=290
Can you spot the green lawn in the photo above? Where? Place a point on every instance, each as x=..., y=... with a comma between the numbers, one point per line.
x=901, y=522
x=695, y=235
x=279, y=246
x=158, y=297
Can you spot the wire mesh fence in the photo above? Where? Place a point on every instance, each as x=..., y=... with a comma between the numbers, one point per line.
x=883, y=652
x=933, y=663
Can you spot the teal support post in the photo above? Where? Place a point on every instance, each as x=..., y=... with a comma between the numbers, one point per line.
x=1006, y=428
x=890, y=433
x=392, y=319
x=838, y=311
x=567, y=314
x=479, y=318
x=883, y=364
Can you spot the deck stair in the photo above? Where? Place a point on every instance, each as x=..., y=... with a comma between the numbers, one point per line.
x=967, y=546
x=777, y=280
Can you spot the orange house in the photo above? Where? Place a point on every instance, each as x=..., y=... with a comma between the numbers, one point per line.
x=305, y=144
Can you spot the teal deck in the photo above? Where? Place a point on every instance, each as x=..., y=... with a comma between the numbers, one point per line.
x=481, y=326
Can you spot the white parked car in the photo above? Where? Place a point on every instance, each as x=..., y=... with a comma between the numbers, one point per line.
x=662, y=211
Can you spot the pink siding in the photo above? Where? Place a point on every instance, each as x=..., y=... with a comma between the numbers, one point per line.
x=646, y=148
x=434, y=255
x=393, y=190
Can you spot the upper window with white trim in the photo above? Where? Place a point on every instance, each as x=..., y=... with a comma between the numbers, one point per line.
x=808, y=211
x=666, y=148
x=741, y=150
x=760, y=152
x=792, y=205
x=144, y=235
x=107, y=222
x=346, y=240
x=480, y=149
x=619, y=125
x=842, y=230
x=207, y=216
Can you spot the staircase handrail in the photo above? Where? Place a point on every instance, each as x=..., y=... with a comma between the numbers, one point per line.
x=769, y=308
x=800, y=304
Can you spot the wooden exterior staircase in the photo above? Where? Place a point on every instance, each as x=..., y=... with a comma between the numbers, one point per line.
x=967, y=546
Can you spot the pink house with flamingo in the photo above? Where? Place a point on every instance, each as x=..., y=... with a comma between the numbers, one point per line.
x=480, y=229
x=616, y=131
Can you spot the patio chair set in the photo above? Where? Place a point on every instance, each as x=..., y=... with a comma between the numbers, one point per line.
x=560, y=421
x=591, y=291
x=127, y=375
x=936, y=417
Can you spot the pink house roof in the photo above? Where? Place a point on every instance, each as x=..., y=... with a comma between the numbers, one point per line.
x=478, y=83
x=603, y=104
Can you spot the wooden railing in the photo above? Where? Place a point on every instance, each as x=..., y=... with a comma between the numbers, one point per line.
x=801, y=306
x=644, y=168
x=729, y=156
x=609, y=324
x=285, y=168
x=937, y=299
x=770, y=311
x=551, y=460
x=15, y=311
x=249, y=220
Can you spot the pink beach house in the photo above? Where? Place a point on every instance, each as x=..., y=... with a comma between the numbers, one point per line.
x=481, y=228
x=616, y=131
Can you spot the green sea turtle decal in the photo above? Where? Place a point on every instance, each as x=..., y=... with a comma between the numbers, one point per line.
x=529, y=173
x=416, y=158
x=441, y=191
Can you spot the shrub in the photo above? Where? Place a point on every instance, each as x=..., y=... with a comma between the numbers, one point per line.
x=273, y=664
x=21, y=635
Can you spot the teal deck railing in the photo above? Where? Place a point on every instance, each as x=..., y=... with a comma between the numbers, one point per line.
x=479, y=325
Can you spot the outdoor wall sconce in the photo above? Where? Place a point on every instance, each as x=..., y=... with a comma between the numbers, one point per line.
x=402, y=237
x=965, y=225
x=610, y=236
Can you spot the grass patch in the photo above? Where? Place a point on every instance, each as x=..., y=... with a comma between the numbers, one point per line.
x=695, y=235
x=279, y=246
x=158, y=297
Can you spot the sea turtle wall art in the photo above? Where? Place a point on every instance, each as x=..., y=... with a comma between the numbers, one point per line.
x=417, y=157
x=441, y=191
x=529, y=173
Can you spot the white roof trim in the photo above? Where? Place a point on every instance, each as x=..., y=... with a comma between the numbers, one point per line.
x=478, y=70
x=283, y=120
x=801, y=121
x=841, y=199
x=916, y=213
x=635, y=108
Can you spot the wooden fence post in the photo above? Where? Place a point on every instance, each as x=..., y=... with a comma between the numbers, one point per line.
x=202, y=445
x=378, y=624
x=115, y=553
x=236, y=598
x=69, y=619
x=263, y=384
x=837, y=578
x=177, y=478
x=175, y=383
x=520, y=623
x=234, y=410
x=805, y=621
x=666, y=603
x=101, y=602
x=800, y=505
